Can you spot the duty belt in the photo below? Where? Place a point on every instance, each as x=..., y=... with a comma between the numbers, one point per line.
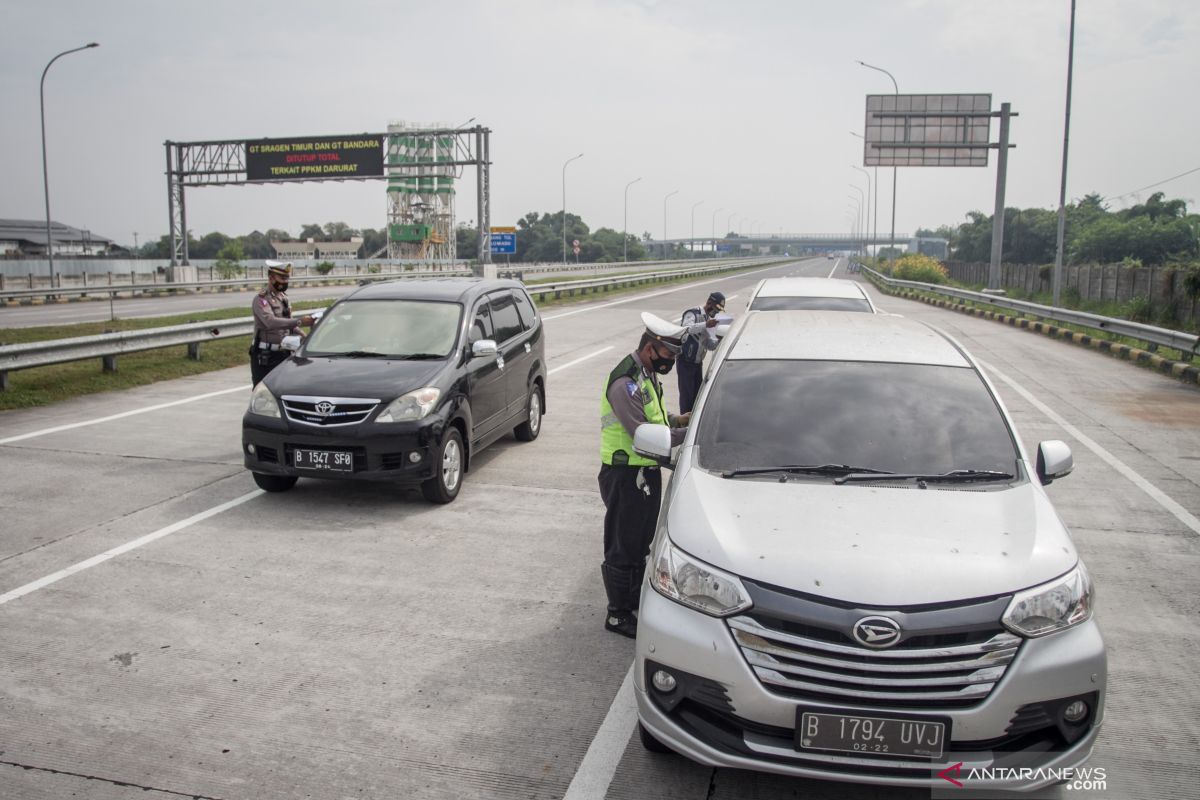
x=265, y=346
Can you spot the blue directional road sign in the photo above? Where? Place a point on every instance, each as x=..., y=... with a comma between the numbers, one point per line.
x=504, y=244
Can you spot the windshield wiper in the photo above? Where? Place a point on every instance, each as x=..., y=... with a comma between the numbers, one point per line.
x=360, y=354
x=953, y=476
x=417, y=356
x=806, y=469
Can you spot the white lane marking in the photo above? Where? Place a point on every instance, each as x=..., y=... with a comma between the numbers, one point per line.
x=836, y=261
x=97, y=421
x=599, y=764
x=646, y=296
x=580, y=359
x=1160, y=497
x=125, y=548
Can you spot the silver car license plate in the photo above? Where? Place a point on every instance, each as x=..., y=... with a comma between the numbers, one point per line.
x=325, y=460
x=920, y=738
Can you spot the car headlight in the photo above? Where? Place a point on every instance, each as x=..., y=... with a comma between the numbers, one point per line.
x=262, y=402
x=678, y=576
x=411, y=406
x=1053, y=606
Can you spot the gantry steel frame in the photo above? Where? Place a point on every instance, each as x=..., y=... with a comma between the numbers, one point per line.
x=223, y=163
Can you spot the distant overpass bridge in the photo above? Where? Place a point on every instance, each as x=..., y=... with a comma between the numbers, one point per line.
x=804, y=242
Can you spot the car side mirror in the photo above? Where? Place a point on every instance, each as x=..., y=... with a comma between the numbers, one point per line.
x=1054, y=461
x=291, y=343
x=653, y=441
x=483, y=347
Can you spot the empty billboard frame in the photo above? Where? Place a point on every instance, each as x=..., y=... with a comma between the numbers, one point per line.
x=927, y=130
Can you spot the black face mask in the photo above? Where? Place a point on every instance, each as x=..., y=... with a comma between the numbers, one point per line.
x=662, y=366
x=281, y=287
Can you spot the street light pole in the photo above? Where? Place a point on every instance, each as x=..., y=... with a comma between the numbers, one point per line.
x=665, y=199
x=714, y=229
x=564, y=204
x=858, y=207
x=692, y=245
x=867, y=229
x=625, y=230
x=1062, y=191
x=45, y=168
x=896, y=87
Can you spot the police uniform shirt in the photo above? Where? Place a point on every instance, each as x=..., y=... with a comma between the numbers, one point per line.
x=697, y=327
x=628, y=404
x=270, y=324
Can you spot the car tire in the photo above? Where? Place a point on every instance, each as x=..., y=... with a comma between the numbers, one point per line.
x=274, y=483
x=448, y=464
x=650, y=743
x=528, y=430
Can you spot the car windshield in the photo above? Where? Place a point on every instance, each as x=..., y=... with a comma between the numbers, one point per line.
x=392, y=328
x=903, y=418
x=810, y=304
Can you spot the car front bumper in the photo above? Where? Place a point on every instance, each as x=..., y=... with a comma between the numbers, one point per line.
x=726, y=717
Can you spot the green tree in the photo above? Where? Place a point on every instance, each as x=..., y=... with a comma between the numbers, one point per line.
x=312, y=231
x=339, y=232
x=466, y=242
x=227, y=266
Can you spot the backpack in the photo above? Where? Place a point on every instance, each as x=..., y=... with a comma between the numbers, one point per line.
x=691, y=344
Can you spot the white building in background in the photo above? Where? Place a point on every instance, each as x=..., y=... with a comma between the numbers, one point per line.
x=27, y=237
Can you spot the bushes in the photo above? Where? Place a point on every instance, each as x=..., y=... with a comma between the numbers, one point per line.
x=919, y=267
x=324, y=268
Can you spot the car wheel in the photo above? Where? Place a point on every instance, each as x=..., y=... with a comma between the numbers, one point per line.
x=274, y=483
x=448, y=470
x=650, y=743
x=528, y=430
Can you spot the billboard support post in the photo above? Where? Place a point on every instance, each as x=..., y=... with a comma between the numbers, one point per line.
x=998, y=216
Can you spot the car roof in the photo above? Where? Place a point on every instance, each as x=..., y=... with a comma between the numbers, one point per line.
x=809, y=287
x=843, y=336
x=462, y=290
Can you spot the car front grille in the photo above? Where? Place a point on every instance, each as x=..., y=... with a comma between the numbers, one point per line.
x=328, y=412
x=921, y=677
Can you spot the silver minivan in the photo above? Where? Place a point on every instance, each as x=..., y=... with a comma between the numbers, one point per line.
x=857, y=574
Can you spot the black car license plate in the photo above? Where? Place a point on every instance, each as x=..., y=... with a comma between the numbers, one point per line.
x=920, y=738
x=325, y=460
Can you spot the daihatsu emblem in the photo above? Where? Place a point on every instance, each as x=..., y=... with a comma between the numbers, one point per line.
x=325, y=408
x=877, y=632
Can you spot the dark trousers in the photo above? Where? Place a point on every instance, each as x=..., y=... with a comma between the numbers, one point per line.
x=690, y=375
x=630, y=516
x=263, y=361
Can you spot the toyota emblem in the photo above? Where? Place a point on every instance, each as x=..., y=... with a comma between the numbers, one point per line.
x=325, y=408
x=877, y=632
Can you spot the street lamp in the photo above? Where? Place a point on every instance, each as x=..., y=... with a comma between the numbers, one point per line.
x=895, y=86
x=875, y=228
x=857, y=208
x=867, y=229
x=564, y=198
x=692, y=246
x=714, y=229
x=665, y=199
x=625, y=230
x=45, y=169
x=865, y=206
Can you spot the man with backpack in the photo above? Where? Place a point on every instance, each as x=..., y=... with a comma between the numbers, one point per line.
x=697, y=341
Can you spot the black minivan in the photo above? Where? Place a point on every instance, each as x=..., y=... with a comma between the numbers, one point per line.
x=404, y=382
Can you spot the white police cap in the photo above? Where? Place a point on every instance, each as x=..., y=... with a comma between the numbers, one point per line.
x=668, y=333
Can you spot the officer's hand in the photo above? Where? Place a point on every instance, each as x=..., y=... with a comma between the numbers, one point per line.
x=684, y=419
x=306, y=320
x=712, y=323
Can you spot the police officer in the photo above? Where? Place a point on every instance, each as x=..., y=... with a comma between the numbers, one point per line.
x=697, y=341
x=272, y=321
x=630, y=484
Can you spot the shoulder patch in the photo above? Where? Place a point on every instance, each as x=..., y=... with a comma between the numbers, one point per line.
x=264, y=302
x=634, y=390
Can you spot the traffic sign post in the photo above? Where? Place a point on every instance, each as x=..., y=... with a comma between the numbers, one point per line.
x=504, y=241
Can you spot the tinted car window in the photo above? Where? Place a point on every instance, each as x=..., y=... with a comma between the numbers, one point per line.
x=525, y=307
x=895, y=417
x=810, y=304
x=390, y=327
x=505, y=320
x=481, y=324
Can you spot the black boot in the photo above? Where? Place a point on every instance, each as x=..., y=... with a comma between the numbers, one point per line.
x=622, y=622
x=621, y=600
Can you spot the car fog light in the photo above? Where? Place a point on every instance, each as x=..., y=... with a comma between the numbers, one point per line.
x=250, y=449
x=1075, y=712
x=414, y=456
x=664, y=681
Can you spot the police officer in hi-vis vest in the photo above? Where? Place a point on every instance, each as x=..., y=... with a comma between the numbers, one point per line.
x=630, y=484
x=272, y=321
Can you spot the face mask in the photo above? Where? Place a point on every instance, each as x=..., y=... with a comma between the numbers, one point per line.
x=281, y=287
x=662, y=366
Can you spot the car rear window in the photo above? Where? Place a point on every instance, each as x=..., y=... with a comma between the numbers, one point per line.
x=388, y=327
x=910, y=418
x=810, y=304
x=505, y=319
x=528, y=314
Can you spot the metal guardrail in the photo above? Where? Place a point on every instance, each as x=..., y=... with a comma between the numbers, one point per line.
x=142, y=288
x=107, y=346
x=1188, y=344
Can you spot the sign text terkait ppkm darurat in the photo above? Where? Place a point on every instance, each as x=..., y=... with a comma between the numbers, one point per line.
x=312, y=158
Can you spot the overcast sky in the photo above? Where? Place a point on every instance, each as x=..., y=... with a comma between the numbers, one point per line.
x=746, y=106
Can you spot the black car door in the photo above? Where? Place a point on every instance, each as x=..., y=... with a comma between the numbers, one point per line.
x=513, y=342
x=485, y=376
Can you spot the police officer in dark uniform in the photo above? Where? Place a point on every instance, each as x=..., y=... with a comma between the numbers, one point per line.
x=630, y=484
x=272, y=321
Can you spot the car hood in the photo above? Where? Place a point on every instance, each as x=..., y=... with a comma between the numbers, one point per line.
x=871, y=545
x=379, y=378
